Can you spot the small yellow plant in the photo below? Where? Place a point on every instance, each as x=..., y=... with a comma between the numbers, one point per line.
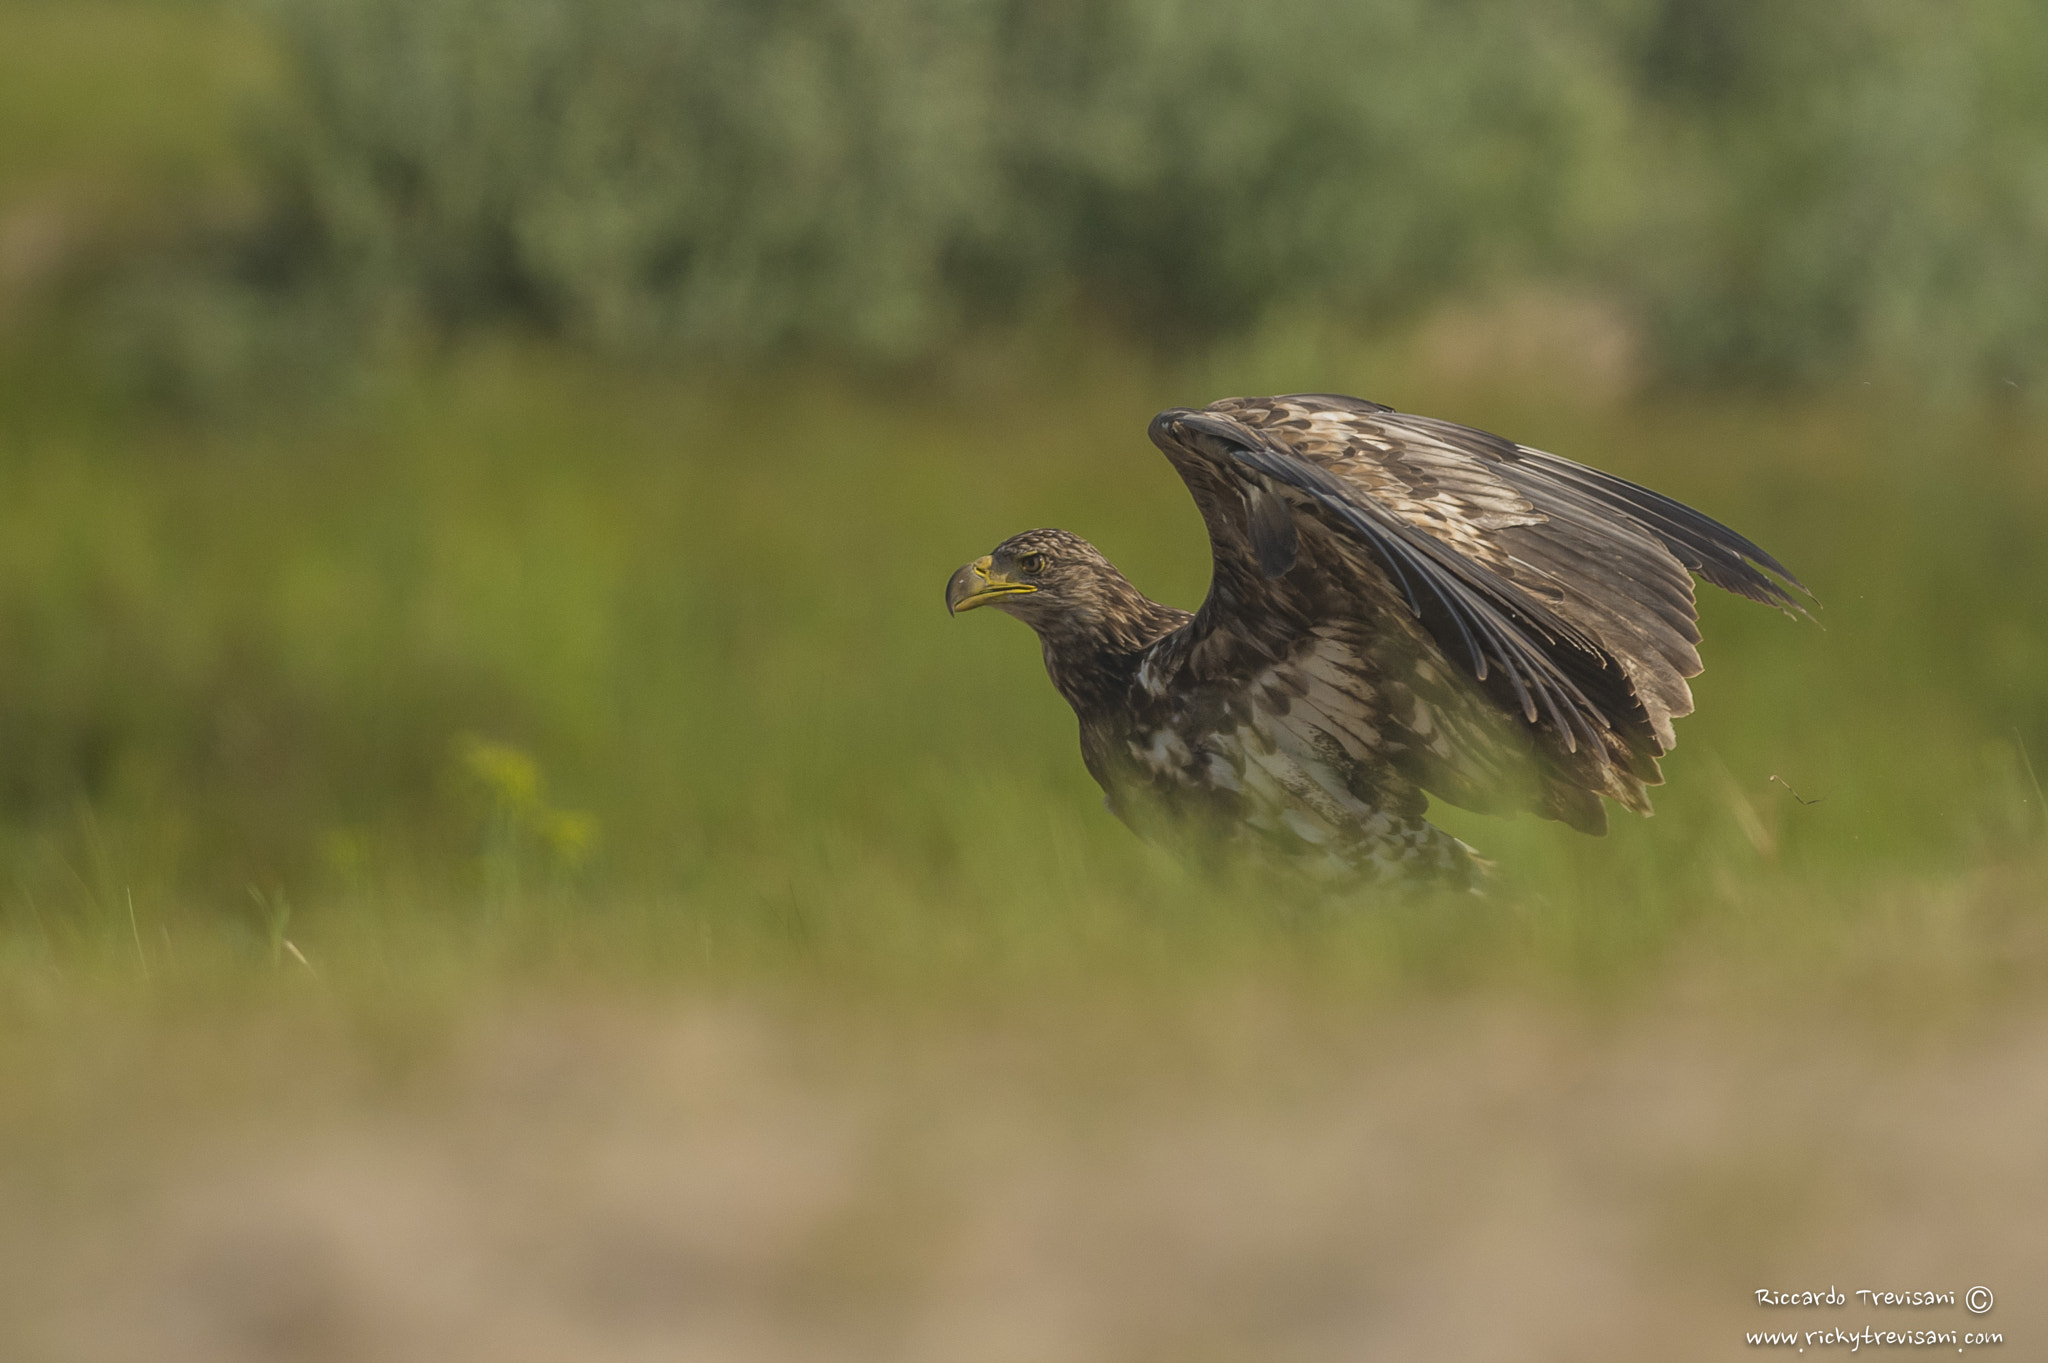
x=520, y=816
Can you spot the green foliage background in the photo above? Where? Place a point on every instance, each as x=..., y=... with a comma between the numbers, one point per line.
x=1779, y=194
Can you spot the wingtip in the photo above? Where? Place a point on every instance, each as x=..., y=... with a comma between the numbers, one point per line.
x=1757, y=584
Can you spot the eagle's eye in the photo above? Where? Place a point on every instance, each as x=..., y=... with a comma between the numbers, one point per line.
x=1033, y=564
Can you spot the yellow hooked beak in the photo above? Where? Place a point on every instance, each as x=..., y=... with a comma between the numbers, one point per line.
x=979, y=583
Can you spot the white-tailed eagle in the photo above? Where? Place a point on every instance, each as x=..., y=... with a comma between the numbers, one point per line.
x=1399, y=605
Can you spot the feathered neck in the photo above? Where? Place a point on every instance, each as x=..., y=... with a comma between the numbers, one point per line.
x=1093, y=645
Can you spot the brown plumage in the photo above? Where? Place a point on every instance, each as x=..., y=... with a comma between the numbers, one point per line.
x=1399, y=605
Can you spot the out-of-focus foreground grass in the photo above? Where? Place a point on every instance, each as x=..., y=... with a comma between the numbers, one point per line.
x=519, y=863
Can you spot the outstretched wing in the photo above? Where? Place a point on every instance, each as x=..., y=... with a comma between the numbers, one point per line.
x=1355, y=542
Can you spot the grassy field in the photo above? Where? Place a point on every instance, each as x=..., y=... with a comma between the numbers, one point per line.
x=518, y=631
x=513, y=860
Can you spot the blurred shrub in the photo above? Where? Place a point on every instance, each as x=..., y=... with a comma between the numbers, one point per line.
x=869, y=176
x=734, y=175
x=1846, y=185
x=1779, y=191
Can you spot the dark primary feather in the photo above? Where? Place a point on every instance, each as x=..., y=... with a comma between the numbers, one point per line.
x=1725, y=559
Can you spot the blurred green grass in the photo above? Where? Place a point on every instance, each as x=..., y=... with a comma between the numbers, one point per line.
x=707, y=609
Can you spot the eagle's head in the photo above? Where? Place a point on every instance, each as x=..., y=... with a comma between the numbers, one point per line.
x=1061, y=586
x=1032, y=576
